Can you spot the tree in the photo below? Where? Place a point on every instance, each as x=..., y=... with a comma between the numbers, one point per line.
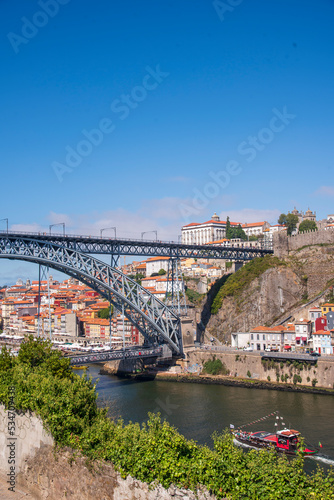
x=234, y=232
x=307, y=225
x=228, y=227
x=161, y=272
x=104, y=313
x=137, y=277
x=239, y=233
x=290, y=221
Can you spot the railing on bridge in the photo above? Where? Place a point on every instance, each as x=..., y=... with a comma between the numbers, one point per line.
x=289, y=356
x=126, y=246
x=99, y=357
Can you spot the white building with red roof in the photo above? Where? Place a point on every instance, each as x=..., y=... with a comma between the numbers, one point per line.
x=323, y=341
x=155, y=264
x=255, y=228
x=201, y=233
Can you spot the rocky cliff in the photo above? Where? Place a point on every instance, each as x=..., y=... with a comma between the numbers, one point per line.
x=284, y=288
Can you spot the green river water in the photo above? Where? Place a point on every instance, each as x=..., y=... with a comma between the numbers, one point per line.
x=197, y=410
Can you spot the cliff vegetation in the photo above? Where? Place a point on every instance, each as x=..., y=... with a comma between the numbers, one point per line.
x=238, y=282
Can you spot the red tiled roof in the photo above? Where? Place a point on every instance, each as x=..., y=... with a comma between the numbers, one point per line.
x=254, y=224
x=321, y=332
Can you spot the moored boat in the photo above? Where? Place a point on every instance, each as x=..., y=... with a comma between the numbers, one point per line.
x=285, y=440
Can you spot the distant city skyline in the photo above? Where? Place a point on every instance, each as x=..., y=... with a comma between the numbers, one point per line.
x=150, y=116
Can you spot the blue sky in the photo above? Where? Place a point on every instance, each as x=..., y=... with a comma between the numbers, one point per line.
x=222, y=75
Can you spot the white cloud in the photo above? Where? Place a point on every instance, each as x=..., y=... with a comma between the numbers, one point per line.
x=27, y=228
x=55, y=218
x=251, y=215
x=161, y=215
x=325, y=191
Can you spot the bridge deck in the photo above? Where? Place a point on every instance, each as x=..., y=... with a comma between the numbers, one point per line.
x=108, y=246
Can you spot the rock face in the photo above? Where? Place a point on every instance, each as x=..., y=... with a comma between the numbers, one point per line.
x=275, y=294
x=53, y=475
x=267, y=298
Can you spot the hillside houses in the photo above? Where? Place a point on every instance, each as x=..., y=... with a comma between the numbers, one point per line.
x=73, y=311
x=313, y=334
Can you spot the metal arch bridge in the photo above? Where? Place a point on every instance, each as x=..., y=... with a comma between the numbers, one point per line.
x=117, y=247
x=157, y=322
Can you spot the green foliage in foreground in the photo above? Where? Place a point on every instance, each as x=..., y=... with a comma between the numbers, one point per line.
x=238, y=282
x=45, y=384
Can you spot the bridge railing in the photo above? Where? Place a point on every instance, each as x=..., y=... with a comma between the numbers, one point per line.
x=99, y=357
x=267, y=245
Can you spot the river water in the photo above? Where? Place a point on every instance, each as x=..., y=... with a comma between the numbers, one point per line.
x=197, y=410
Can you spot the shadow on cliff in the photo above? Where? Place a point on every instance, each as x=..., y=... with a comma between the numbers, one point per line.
x=206, y=311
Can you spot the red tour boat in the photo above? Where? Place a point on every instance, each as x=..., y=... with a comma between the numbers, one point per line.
x=284, y=441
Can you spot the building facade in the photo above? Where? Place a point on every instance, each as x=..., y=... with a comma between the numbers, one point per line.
x=197, y=233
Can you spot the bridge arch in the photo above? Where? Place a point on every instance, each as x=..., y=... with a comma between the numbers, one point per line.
x=157, y=322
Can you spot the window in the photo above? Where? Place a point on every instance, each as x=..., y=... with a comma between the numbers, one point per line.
x=263, y=337
x=257, y=337
x=252, y=336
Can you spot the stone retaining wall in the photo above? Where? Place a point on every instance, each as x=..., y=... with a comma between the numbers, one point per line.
x=240, y=363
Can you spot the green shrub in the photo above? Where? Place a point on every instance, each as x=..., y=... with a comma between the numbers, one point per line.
x=249, y=374
x=268, y=378
x=193, y=296
x=215, y=367
x=314, y=382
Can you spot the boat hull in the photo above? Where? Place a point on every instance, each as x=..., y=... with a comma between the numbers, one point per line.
x=270, y=445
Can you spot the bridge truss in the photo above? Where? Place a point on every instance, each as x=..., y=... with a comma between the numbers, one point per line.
x=154, y=319
x=117, y=247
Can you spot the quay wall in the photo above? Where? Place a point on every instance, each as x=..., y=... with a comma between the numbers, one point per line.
x=50, y=473
x=240, y=363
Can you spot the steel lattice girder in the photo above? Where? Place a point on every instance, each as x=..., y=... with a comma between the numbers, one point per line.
x=153, y=318
x=80, y=359
x=147, y=248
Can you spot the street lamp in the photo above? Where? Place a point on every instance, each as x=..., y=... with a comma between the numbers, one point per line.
x=6, y=223
x=58, y=224
x=145, y=232
x=105, y=229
